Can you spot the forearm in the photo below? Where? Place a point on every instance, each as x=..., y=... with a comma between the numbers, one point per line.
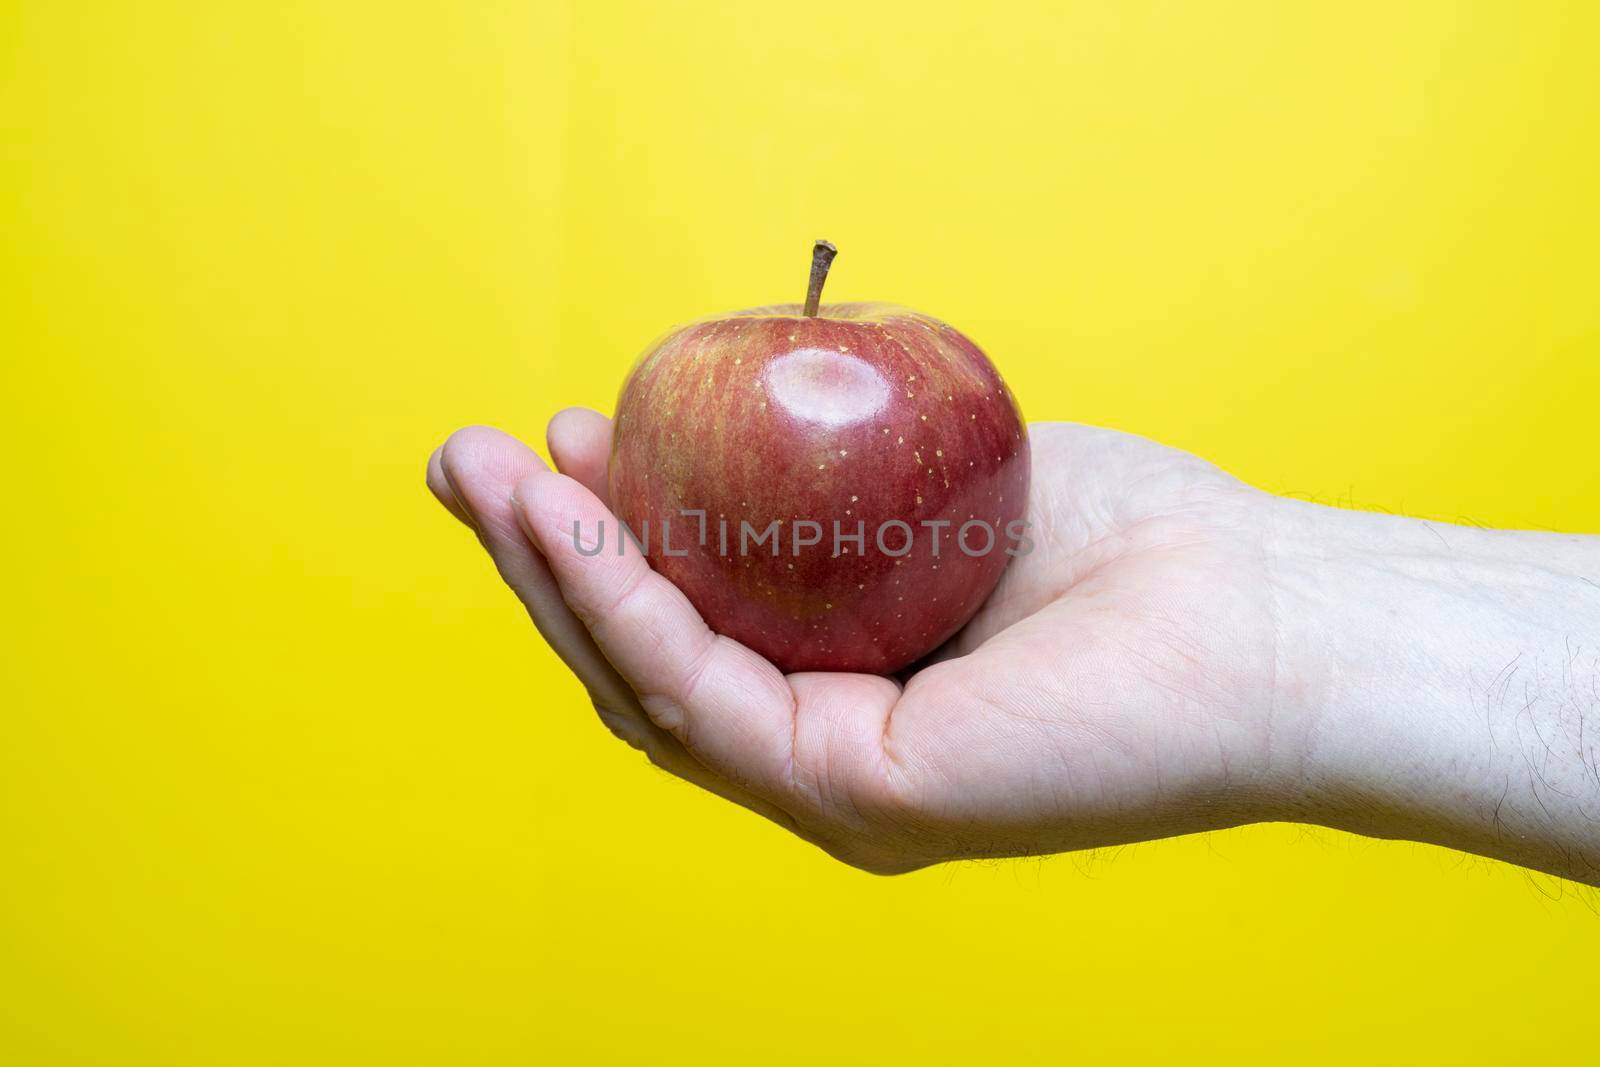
x=1442, y=683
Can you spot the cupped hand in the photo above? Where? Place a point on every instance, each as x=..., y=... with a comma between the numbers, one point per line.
x=1120, y=684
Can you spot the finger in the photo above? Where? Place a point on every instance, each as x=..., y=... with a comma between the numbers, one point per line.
x=474, y=464
x=476, y=471
x=440, y=487
x=480, y=467
x=731, y=708
x=580, y=443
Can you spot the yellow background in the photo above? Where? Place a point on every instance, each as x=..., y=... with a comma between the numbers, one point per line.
x=286, y=777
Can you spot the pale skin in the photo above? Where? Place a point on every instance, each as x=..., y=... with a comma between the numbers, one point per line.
x=1180, y=652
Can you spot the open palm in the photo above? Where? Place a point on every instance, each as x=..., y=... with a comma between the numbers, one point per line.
x=1117, y=685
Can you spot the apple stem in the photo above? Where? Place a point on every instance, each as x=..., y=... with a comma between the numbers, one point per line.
x=822, y=254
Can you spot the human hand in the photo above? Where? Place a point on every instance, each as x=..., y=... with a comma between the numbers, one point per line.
x=1120, y=684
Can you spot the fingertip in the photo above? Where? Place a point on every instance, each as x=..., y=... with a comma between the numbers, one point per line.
x=494, y=452
x=577, y=426
x=580, y=444
x=467, y=441
x=479, y=464
x=434, y=475
x=525, y=492
x=539, y=499
x=439, y=485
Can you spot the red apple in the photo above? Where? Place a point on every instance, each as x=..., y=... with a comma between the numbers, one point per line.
x=881, y=419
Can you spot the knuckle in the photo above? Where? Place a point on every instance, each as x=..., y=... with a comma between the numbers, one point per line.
x=666, y=714
x=623, y=726
x=889, y=797
x=624, y=600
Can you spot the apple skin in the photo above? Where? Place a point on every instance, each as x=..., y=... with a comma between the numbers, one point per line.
x=865, y=413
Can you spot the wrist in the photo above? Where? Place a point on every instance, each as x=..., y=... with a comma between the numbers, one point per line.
x=1346, y=697
x=1435, y=679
